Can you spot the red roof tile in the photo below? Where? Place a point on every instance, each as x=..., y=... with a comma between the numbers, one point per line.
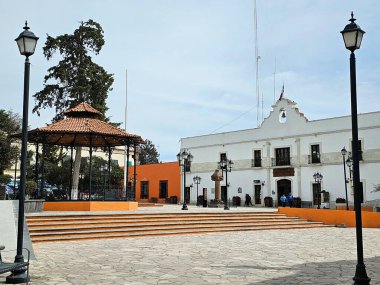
x=83, y=131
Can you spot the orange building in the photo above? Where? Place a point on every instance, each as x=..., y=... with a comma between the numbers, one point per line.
x=157, y=182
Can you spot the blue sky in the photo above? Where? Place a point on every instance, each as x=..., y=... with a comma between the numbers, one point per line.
x=191, y=64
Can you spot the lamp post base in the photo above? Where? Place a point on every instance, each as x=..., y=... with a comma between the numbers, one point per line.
x=18, y=276
x=361, y=277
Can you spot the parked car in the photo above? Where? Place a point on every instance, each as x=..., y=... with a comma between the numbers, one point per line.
x=46, y=187
x=9, y=190
x=13, y=184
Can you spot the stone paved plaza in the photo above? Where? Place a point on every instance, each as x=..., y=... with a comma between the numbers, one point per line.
x=312, y=256
x=307, y=256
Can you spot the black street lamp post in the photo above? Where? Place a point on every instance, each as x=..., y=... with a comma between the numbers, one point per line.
x=197, y=180
x=184, y=159
x=344, y=152
x=352, y=36
x=226, y=165
x=318, y=179
x=26, y=42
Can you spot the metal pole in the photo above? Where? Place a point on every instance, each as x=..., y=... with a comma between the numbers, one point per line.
x=35, y=171
x=90, y=171
x=184, y=206
x=42, y=183
x=71, y=173
x=20, y=276
x=197, y=191
x=345, y=180
x=126, y=175
x=320, y=192
x=360, y=273
x=14, y=179
x=226, y=203
x=109, y=172
x=134, y=171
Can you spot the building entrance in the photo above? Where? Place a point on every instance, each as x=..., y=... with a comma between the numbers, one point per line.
x=187, y=189
x=257, y=194
x=284, y=186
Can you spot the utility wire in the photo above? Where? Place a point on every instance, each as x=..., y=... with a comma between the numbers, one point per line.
x=233, y=120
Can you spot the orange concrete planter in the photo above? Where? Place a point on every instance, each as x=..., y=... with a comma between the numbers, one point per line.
x=90, y=206
x=333, y=217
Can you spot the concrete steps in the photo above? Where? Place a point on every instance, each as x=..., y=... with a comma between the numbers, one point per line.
x=83, y=227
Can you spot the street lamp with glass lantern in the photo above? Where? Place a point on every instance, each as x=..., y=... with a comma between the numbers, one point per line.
x=184, y=159
x=344, y=152
x=352, y=36
x=197, y=180
x=226, y=165
x=318, y=179
x=26, y=42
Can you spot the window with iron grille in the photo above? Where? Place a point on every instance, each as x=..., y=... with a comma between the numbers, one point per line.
x=257, y=158
x=315, y=154
x=282, y=156
x=144, y=190
x=163, y=191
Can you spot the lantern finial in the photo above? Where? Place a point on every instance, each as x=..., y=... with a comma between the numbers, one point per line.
x=352, y=20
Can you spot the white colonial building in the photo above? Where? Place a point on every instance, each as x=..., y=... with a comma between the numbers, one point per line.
x=284, y=153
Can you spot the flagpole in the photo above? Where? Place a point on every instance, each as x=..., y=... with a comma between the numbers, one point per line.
x=282, y=92
x=125, y=129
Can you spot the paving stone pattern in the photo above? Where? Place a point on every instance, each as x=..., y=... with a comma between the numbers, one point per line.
x=308, y=256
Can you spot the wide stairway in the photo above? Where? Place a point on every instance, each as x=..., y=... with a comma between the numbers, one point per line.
x=82, y=227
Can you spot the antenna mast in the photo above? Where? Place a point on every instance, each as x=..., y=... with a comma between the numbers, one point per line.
x=274, y=82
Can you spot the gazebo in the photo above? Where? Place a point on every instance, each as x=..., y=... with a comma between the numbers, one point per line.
x=82, y=127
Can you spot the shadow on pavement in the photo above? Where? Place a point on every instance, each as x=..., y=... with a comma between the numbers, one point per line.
x=329, y=273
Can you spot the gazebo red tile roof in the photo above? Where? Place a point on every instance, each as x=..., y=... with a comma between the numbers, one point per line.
x=82, y=108
x=81, y=127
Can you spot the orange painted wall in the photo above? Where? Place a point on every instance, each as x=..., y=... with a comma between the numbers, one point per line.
x=333, y=217
x=154, y=173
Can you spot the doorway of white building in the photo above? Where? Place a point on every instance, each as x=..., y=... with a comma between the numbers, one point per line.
x=284, y=186
x=257, y=195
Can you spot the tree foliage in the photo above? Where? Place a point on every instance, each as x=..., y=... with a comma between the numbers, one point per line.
x=100, y=172
x=76, y=78
x=9, y=123
x=148, y=153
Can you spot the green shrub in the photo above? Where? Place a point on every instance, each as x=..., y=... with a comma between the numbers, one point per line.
x=30, y=187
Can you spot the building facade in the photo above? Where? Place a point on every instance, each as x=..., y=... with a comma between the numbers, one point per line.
x=283, y=154
x=156, y=182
